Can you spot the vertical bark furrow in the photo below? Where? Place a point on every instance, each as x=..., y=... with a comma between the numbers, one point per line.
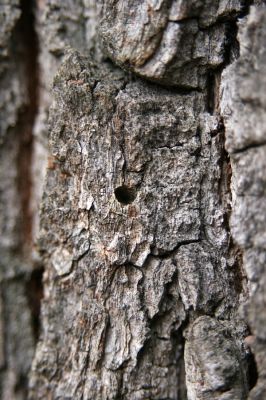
x=18, y=107
x=26, y=41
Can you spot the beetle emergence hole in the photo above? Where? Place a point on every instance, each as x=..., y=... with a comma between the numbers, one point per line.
x=125, y=194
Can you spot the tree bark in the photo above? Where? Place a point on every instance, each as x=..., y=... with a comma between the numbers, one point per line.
x=152, y=220
x=17, y=276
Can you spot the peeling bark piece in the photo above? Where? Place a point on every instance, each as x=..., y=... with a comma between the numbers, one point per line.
x=171, y=42
x=213, y=363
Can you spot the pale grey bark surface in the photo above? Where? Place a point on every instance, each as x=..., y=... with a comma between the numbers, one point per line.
x=174, y=42
x=117, y=288
x=127, y=285
x=152, y=223
x=244, y=109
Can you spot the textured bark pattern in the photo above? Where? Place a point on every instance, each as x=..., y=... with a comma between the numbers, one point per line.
x=136, y=244
x=121, y=279
x=16, y=335
x=59, y=24
x=175, y=42
x=144, y=274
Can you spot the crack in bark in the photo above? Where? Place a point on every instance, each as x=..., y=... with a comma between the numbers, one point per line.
x=27, y=40
x=248, y=147
x=169, y=254
x=176, y=338
x=213, y=106
x=27, y=58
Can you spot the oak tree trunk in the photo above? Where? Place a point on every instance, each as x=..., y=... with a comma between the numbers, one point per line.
x=152, y=219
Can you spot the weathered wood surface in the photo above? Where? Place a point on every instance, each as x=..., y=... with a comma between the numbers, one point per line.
x=152, y=224
x=172, y=42
x=244, y=109
x=142, y=299
x=123, y=280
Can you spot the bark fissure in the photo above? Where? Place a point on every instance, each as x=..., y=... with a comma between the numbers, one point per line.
x=27, y=45
x=28, y=51
x=249, y=147
x=34, y=292
x=19, y=82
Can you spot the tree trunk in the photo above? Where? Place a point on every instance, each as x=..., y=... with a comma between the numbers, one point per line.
x=18, y=303
x=152, y=220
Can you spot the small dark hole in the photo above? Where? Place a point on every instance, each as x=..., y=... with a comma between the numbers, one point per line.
x=125, y=194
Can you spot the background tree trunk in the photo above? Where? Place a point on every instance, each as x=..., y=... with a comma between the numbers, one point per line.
x=18, y=92
x=152, y=223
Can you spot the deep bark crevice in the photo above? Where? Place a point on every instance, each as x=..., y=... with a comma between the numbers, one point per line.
x=231, y=53
x=27, y=51
x=26, y=42
x=252, y=371
x=234, y=250
x=211, y=93
x=177, y=340
x=34, y=292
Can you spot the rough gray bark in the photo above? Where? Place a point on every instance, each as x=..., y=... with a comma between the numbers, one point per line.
x=173, y=42
x=244, y=110
x=120, y=272
x=24, y=102
x=59, y=24
x=150, y=233
x=143, y=281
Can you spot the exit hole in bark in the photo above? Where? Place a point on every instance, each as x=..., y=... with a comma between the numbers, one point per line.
x=125, y=194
